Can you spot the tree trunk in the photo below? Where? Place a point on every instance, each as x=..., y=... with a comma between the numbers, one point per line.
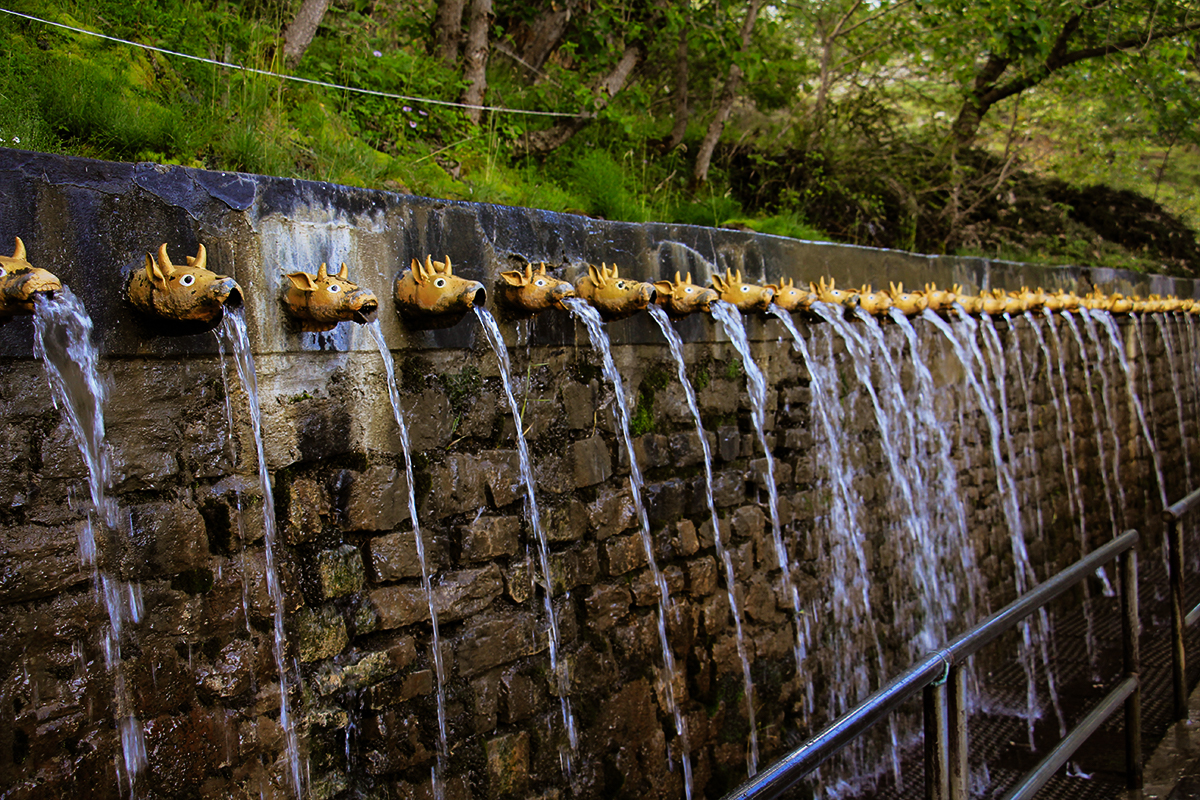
x=681, y=93
x=447, y=30
x=725, y=104
x=548, y=140
x=476, y=57
x=298, y=34
x=544, y=36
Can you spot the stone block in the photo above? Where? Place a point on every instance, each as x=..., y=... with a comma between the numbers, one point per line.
x=485, y=700
x=567, y=523
x=456, y=486
x=653, y=450
x=508, y=764
x=611, y=512
x=502, y=476
x=593, y=462
x=340, y=571
x=729, y=488
x=38, y=561
x=702, y=576
x=231, y=672
x=685, y=539
x=665, y=501
x=497, y=639
x=487, y=538
x=607, y=606
x=319, y=633
x=521, y=695
x=307, y=510
x=573, y=568
x=456, y=596
x=377, y=499
x=748, y=522
x=686, y=449
x=394, y=556
x=620, y=554
x=646, y=591
x=729, y=442
x=169, y=537
x=758, y=473
x=579, y=402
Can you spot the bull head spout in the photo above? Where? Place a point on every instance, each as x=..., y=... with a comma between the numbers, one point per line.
x=430, y=295
x=909, y=304
x=611, y=295
x=789, y=298
x=320, y=303
x=523, y=293
x=680, y=298
x=747, y=297
x=190, y=298
x=21, y=283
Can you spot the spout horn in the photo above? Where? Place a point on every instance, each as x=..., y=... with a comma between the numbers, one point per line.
x=19, y=250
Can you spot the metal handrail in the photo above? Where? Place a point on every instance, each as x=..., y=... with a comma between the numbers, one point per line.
x=1179, y=621
x=940, y=675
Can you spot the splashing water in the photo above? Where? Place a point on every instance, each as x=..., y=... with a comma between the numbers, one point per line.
x=558, y=668
x=600, y=343
x=845, y=547
x=1110, y=325
x=233, y=330
x=1109, y=415
x=438, y=771
x=63, y=342
x=756, y=387
x=675, y=343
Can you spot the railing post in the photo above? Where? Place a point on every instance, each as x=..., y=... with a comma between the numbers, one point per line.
x=1178, y=654
x=937, y=761
x=1131, y=636
x=956, y=719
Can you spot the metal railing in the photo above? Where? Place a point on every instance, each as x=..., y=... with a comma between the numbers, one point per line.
x=1179, y=621
x=941, y=677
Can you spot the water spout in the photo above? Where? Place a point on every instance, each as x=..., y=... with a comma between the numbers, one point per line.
x=182, y=299
x=319, y=303
x=431, y=296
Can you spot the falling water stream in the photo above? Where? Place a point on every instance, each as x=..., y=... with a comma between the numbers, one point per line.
x=675, y=343
x=562, y=681
x=1110, y=325
x=438, y=771
x=845, y=551
x=233, y=329
x=590, y=317
x=1167, y=333
x=756, y=386
x=1106, y=397
x=63, y=341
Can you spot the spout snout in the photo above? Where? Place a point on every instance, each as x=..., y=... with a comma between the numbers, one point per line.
x=474, y=294
x=560, y=293
x=645, y=295
x=365, y=307
x=227, y=292
x=23, y=285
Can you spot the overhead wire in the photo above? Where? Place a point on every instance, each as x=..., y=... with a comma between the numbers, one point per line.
x=295, y=78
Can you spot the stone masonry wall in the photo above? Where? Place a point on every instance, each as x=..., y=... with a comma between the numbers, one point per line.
x=200, y=664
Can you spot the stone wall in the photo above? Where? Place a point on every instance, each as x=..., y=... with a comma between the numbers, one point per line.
x=200, y=663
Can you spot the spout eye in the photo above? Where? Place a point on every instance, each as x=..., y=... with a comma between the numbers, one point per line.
x=745, y=288
x=3, y=272
x=439, y=282
x=688, y=290
x=187, y=280
x=620, y=284
x=539, y=282
x=334, y=288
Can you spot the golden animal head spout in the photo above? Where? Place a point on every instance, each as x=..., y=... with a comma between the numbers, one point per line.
x=971, y=303
x=747, y=297
x=524, y=293
x=941, y=300
x=1120, y=304
x=1060, y=300
x=682, y=297
x=610, y=294
x=833, y=295
x=1035, y=299
x=993, y=302
x=192, y=295
x=430, y=295
x=21, y=283
x=910, y=304
x=320, y=303
x=873, y=302
x=791, y=299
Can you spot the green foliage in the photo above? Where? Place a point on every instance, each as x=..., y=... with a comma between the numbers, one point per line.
x=841, y=129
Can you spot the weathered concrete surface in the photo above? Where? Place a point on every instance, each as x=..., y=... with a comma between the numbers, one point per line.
x=200, y=663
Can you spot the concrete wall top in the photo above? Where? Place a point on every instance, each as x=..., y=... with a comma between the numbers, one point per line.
x=92, y=222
